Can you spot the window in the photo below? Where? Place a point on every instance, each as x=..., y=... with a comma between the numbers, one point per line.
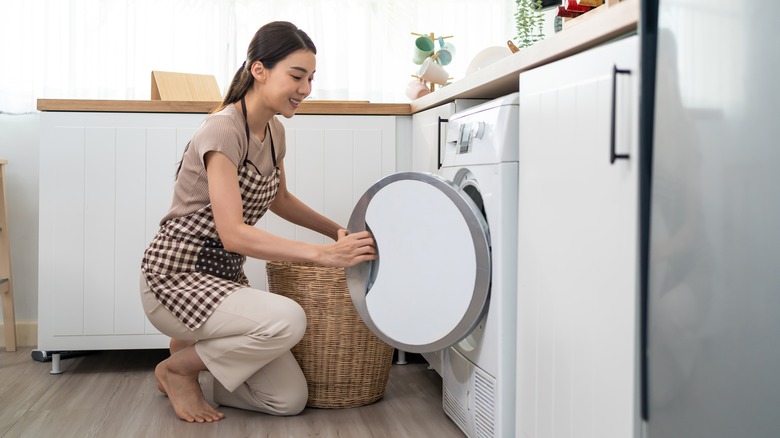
x=106, y=49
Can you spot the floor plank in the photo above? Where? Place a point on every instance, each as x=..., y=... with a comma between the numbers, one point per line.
x=23, y=382
x=114, y=394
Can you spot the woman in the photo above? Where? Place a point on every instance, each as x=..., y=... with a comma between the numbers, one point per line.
x=193, y=286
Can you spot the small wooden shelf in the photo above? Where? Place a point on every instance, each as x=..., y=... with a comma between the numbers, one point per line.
x=172, y=86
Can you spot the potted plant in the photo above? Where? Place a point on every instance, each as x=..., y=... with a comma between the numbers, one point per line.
x=529, y=22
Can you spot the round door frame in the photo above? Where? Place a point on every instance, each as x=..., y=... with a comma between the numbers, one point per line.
x=360, y=277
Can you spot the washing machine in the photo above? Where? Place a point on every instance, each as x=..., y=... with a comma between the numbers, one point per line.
x=444, y=283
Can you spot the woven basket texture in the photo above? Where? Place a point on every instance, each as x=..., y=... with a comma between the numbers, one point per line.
x=344, y=363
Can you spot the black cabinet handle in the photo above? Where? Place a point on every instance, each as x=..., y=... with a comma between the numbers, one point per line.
x=612, y=155
x=438, y=141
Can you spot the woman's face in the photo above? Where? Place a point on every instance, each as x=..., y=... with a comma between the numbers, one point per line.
x=289, y=82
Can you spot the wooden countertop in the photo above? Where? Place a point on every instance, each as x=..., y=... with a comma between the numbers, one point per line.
x=161, y=106
x=495, y=80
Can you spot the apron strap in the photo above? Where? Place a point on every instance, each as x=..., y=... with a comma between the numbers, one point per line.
x=273, y=151
x=246, y=126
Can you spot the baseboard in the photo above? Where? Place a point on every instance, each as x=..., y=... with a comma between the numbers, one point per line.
x=26, y=334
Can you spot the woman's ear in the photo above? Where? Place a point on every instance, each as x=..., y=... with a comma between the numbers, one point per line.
x=259, y=72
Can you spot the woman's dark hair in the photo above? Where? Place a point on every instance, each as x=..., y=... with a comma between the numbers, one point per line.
x=271, y=43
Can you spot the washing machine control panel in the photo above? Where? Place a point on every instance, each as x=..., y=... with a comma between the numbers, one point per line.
x=466, y=135
x=483, y=134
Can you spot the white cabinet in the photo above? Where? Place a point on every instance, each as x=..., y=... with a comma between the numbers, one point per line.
x=106, y=180
x=577, y=246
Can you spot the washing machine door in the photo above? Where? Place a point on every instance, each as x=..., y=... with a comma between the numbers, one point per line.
x=430, y=285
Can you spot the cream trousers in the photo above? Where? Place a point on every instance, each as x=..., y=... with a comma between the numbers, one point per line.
x=245, y=344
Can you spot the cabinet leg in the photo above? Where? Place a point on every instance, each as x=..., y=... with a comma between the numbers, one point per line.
x=55, y=364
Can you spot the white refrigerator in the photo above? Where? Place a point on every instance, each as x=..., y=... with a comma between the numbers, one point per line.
x=710, y=263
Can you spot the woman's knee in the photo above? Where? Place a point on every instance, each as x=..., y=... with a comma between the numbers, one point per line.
x=276, y=317
x=295, y=399
x=293, y=317
x=261, y=316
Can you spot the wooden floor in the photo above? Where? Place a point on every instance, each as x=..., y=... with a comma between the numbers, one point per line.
x=113, y=394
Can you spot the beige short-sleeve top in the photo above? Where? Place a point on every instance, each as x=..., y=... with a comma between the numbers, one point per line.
x=223, y=132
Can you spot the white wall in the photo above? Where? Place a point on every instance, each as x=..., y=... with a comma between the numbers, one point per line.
x=19, y=144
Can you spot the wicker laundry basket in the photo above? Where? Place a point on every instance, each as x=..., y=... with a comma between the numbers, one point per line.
x=344, y=363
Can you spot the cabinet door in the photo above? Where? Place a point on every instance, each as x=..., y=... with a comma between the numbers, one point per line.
x=577, y=246
x=106, y=180
x=427, y=136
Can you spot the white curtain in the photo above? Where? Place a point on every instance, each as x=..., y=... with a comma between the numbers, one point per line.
x=106, y=49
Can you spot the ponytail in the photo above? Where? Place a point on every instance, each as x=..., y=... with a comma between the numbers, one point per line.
x=240, y=84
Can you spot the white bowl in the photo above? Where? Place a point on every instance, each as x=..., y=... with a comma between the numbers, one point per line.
x=487, y=57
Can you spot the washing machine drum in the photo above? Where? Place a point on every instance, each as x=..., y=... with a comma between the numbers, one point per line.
x=430, y=285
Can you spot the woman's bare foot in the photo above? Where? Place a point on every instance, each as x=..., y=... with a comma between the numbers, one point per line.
x=178, y=377
x=176, y=345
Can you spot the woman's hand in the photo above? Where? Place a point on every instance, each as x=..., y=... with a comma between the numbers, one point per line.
x=349, y=250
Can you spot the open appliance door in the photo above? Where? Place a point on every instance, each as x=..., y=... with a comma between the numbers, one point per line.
x=430, y=285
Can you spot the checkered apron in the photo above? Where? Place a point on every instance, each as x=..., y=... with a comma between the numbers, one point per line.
x=186, y=265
